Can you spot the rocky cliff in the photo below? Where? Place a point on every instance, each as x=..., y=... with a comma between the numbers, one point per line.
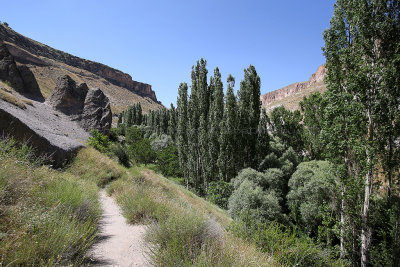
x=291, y=95
x=47, y=64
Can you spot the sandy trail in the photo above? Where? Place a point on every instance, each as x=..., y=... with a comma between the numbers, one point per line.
x=120, y=244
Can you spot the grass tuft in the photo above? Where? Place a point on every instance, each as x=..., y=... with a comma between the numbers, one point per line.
x=12, y=99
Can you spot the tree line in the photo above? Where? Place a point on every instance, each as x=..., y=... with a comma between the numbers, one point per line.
x=330, y=168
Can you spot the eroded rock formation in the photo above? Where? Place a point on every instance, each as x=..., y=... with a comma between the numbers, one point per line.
x=90, y=107
x=20, y=77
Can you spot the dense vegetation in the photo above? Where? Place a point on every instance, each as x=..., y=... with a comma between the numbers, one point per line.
x=328, y=172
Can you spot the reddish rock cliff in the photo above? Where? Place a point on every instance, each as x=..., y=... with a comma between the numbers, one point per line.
x=295, y=88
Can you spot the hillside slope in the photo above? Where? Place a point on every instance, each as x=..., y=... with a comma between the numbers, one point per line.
x=47, y=64
x=291, y=95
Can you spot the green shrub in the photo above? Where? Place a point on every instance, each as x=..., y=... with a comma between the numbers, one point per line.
x=120, y=151
x=313, y=194
x=168, y=161
x=284, y=244
x=142, y=151
x=259, y=194
x=162, y=142
x=219, y=193
x=99, y=141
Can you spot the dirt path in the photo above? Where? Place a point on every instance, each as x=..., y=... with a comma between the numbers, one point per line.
x=120, y=244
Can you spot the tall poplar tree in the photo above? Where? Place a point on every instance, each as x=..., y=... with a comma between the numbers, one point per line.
x=228, y=141
x=360, y=47
x=182, y=130
x=214, y=121
x=249, y=115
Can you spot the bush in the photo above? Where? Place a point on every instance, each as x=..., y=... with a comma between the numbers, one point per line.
x=219, y=193
x=168, y=161
x=99, y=141
x=258, y=194
x=122, y=154
x=284, y=244
x=142, y=151
x=313, y=192
x=162, y=142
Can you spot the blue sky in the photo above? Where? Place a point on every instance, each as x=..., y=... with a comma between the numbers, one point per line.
x=157, y=42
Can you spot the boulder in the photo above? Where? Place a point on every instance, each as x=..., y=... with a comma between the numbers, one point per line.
x=67, y=97
x=96, y=112
x=90, y=107
x=52, y=134
x=8, y=69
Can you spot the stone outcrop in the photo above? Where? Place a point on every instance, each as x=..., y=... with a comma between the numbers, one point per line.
x=8, y=69
x=50, y=133
x=90, y=107
x=20, y=77
x=67, y=97
x=41, y=51
x=96, y=113
x=271, y=97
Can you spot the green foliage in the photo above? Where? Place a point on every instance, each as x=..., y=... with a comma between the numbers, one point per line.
x=142, y=151
x=5, y=24
x=219, y=193
x=313, y=193
x=120, y=151
x=228, y=160
x=288, y=248
x=258, y=195
x=286, y=125
x=168, y=161
x=99, y=141
x=313, y=109
x=161, y=142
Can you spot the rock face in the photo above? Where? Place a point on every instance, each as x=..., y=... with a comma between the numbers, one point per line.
x=20, y=77
x=96, y=112
x=8, y=69
x=90, y=107
x=290, y=90
x=41, y=51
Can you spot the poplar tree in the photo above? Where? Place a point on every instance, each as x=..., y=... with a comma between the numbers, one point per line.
x=182, y=130
x=172, y=123
x=361, y=48
x=263, y=137
x=215, y=118
x=249, y=115
x=228, y=140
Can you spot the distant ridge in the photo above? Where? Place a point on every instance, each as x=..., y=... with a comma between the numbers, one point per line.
x=291, y=95
x=48, y=64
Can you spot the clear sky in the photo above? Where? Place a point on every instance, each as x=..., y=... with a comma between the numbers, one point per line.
x=157, y=42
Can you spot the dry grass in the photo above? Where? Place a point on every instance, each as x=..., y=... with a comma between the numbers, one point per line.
x=28, y=102
x=185, y=229
x=12, y=99
x=92, y=165
x=47, y=217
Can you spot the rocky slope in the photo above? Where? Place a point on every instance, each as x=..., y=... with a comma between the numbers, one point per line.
x=58, y=127
x=47, y=64
x=291, y=95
